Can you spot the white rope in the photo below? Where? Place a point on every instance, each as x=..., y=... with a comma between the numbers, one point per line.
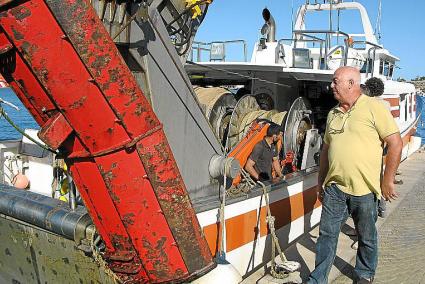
x=222, y=217
x=275, y=241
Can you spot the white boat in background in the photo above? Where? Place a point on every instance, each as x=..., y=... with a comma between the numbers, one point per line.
x=287, y=81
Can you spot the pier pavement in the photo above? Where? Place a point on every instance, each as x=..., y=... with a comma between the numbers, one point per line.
x=401, y=238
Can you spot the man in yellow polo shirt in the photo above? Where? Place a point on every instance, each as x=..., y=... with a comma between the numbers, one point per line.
x=349, y=175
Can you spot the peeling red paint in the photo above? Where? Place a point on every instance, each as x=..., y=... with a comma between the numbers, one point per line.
x=135, y=195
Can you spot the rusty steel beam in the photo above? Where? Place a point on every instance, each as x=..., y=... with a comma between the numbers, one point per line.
x=76, y=85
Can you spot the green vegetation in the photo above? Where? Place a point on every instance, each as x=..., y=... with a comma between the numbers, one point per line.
x=419, y=78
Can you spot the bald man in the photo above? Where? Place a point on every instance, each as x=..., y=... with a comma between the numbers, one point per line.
x=349, y=174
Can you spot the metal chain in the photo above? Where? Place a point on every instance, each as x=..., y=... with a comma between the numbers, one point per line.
x=100, y=261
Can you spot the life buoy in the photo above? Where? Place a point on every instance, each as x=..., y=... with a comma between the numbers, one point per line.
x=20, y=181
x=335, y=58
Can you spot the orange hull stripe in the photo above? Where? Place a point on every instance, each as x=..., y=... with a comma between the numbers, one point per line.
x=395, y=113
x=393, y=101
x=242, y=229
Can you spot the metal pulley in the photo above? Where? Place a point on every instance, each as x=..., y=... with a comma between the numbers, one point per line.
x=221, y=166
x=298, y=122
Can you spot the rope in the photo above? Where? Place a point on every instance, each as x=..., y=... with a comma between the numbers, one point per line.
x=10, y=121
x=222, y=246
x=270, y=219
x=242, y=189
x=275, y=241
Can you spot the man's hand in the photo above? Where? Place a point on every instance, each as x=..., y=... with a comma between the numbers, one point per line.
x=277, y=179
x=392, y=161
x=388, y=191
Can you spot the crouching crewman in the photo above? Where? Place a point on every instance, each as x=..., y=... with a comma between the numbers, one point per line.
x=265, y=156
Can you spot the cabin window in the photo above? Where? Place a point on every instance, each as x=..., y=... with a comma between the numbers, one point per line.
x=367, y=66
x=381, y=67
x=386, y=68
x=391, y=70
x=406, y=107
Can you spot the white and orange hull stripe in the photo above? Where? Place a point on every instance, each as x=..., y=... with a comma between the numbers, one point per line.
x=294, y=206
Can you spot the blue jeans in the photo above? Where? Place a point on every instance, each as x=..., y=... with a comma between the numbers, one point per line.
x=336, y=207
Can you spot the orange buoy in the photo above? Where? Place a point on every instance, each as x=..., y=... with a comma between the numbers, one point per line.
x=20, y=181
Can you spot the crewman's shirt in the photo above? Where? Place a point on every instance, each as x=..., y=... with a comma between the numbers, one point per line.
x=263, y=155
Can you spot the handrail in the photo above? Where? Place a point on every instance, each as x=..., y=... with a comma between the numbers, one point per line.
x=368, y=43
x=369, y=51
x=320, y=32
x=315, y=39
x=327, y=41
x=199, y=46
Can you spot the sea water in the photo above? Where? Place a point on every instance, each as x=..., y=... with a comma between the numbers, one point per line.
x=21, y=117
x=420, y=108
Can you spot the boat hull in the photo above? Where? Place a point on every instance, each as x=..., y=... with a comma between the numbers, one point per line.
x=293, y=203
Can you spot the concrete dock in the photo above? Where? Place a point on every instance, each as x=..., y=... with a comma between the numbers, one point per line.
x=401, y=238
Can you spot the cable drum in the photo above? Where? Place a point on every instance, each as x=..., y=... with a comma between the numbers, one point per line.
x=273, y=115
x=217, y=105
x=244, y=106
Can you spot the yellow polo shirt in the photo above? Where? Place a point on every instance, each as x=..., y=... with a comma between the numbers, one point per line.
x=355, y=140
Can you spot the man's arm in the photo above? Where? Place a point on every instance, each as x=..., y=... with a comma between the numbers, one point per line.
x=276, y=167
x=249, y=167
x=392, y=160
x=323, y=169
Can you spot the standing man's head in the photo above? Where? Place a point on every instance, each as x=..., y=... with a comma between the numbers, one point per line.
x=346, y=85
x=365, y=90
x=376, y=86
x=273, y=133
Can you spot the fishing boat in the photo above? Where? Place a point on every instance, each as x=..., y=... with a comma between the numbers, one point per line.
x=137, y=172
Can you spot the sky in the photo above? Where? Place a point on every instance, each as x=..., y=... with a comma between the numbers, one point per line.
x=402, y=26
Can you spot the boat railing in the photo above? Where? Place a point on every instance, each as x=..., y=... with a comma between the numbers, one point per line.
x=325, y=43
x=216, y=50
x=371, y=55
x=310, y=40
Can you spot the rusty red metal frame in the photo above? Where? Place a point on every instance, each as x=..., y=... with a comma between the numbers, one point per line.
x=69, y=74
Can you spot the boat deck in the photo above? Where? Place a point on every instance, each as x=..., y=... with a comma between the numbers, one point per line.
x=401, y=238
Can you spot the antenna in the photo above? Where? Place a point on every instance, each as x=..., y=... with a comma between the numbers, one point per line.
x=378, y=22
x=329, y=36
x=292, y=17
